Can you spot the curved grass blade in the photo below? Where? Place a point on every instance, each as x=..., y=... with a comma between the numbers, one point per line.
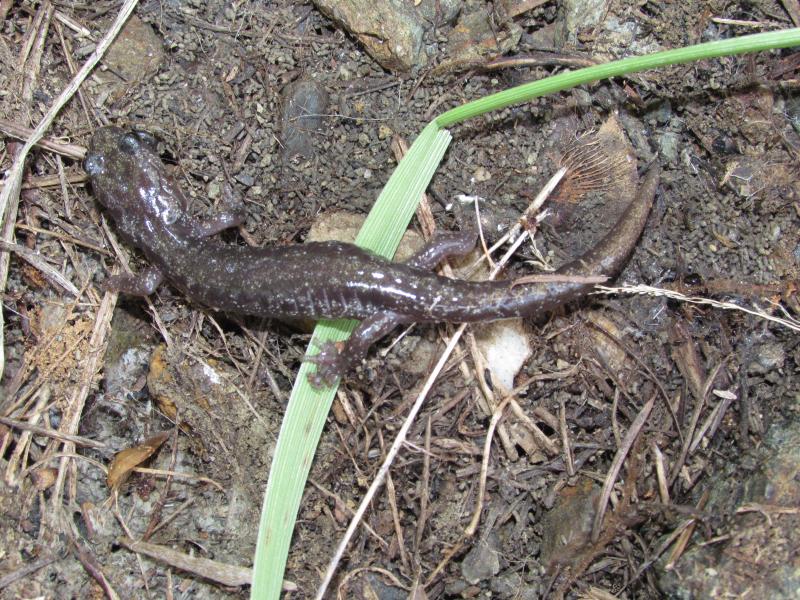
x=308, y=408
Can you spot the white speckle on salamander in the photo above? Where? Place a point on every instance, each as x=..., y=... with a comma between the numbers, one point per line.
x=309, y=302
x=326, y=302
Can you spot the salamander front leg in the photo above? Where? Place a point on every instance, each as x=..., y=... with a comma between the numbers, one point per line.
x=231, y=215
x=143, y=284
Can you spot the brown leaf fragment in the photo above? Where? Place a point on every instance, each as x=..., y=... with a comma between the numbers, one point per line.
x=687, y=359
x=159, y=381
x=126, y=460
x=33, y=277
x=43, y=478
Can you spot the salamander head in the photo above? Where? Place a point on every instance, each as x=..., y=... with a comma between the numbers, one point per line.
x=129, y=178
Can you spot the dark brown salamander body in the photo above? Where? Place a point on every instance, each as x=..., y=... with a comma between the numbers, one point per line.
x=321, y=279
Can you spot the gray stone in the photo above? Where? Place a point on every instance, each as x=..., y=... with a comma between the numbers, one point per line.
x=482, y=561
x=390, y=30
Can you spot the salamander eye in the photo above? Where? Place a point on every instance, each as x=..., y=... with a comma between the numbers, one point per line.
x=129, y=143
x=146, y=139
x=94, y=165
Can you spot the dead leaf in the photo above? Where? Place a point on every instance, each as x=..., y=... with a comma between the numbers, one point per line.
x=125, y=461
x=160, y=382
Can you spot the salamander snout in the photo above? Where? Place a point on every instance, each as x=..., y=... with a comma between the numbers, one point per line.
x=94, y=164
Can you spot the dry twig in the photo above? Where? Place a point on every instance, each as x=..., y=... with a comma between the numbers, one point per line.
x=616, y=465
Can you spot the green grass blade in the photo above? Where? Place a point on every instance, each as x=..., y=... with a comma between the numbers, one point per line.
x=392, y=212
x=308, y=407
x=749, y=43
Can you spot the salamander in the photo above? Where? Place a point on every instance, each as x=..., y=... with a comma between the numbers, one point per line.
x=319, y=279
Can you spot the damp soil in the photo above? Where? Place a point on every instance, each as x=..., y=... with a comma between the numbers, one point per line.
x=224, y=89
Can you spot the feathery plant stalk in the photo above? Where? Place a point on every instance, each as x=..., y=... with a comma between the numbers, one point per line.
x=381, y=233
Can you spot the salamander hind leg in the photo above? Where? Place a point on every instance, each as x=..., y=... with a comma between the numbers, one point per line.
x=333, y=363
x=443, y=245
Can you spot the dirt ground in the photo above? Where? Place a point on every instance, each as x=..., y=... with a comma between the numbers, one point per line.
x=709, y=479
